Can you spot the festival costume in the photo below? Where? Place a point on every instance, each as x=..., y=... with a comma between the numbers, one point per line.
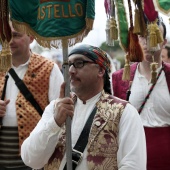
x=37, y=79
x=104, y=148
x=155, y=114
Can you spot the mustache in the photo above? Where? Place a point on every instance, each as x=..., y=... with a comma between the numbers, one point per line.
x=74, y=78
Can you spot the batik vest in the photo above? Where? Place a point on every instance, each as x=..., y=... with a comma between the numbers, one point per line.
x=36, y=79
x=120, y=86
x=102, y=144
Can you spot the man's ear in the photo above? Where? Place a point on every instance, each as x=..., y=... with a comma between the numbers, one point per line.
x=101, y=71
x=31, y=38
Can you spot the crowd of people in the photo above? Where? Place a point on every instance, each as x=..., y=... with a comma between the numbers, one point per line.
x=109, y=130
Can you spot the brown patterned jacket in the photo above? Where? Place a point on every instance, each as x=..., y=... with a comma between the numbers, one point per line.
x=36, y=79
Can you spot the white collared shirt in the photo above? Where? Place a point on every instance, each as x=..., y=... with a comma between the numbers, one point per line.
x=56, y=78
x=156, y=112
x=39, y=146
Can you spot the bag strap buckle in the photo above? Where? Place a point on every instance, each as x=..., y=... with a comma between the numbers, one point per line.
x=76, y=156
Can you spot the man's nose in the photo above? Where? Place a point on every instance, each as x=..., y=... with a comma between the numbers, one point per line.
x=72, y=69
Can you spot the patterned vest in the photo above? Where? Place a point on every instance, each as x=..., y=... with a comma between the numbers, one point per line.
x=36, y=79
x=120, y=87
x=102, y=144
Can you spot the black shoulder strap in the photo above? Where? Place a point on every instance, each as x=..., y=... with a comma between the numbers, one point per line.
x=3, y=95
x=25, y=91
x=77, y=152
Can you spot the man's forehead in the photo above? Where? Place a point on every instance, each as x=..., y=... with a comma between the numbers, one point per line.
x=76, y=57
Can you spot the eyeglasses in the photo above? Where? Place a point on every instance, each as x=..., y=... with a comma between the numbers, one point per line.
x=79, y=63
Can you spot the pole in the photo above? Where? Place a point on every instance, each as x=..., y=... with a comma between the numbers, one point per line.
x=67, y=93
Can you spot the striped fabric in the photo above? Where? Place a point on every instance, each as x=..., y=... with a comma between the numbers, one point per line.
x=9, y=148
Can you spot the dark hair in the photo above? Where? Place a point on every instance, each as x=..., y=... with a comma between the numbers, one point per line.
x=107, y=86
x=164, y=29
x=168, y=50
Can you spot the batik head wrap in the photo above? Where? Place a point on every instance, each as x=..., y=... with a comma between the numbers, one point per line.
x=99, y=57
x=95, y=54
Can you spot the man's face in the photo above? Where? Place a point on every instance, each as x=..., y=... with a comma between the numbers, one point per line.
x=20, y=43
x=83, y=79
x=164, y=55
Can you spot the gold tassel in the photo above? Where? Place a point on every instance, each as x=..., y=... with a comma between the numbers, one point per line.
x=113, y=29
x=5, y=58
x=126, y=71
x=152, y=35
x=158, y=34
x=137, y=27
x=153, y=67
x=109, y=41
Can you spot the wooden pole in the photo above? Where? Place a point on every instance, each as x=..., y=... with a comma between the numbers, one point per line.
x=67, y=93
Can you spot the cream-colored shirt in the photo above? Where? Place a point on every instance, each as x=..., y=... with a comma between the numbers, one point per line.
x=56, y=79
x=156, y=112
x=39, y=146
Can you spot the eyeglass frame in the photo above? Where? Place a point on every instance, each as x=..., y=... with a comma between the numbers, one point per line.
x=83, y=63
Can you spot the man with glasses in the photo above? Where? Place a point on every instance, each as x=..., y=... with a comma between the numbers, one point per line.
x=116, y=137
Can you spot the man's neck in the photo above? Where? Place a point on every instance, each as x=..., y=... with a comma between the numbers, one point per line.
x=19, y=60
x=84, y=98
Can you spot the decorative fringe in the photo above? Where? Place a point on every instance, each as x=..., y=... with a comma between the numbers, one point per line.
x=5, y=58
x=113, y=29
x=134, y=49
x=55, y=42
x=126, y=71
x=89, y=23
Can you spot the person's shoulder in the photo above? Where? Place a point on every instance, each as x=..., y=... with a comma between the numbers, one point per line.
x=118, y=72
x=166, y=66
x=117, y=100
x=43, y=59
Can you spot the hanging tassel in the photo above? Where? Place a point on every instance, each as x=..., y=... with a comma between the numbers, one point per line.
x=126, y=71
x=5, y=58
x=108, y=39
x=149, y=48
x=152, y=35
x=137, y=26
x=153, y=67
x=134, y=49
x=158, y=34
x=113, y=29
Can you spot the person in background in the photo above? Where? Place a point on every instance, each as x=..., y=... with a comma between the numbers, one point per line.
x=166, y=54
x=43, y=79
x=151, y=101
x=116, y=139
